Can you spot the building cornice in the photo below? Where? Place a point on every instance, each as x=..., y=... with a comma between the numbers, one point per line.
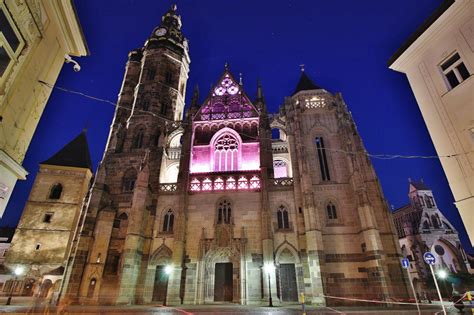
x=12, y=165
x=420, y=41
x=70, y=27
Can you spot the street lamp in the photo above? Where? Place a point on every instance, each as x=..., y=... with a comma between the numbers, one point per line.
x=18, y=272
x=168, y=270
x=269, y=268
x=442, y=274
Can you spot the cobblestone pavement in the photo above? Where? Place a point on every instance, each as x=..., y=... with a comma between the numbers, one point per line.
x=212, y=309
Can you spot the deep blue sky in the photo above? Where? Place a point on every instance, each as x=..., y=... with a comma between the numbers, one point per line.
x=344, y=44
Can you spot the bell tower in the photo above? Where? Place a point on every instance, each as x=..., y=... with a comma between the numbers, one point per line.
x=112, y=250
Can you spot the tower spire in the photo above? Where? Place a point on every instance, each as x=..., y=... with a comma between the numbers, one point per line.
x=195, y=97
x=259, y=90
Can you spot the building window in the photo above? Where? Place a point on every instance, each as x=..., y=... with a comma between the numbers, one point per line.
x=48, y=217
x=331, y=211
x=56, y=191
x=226, y=150
x=224, y=212
x=112, y=264
x=11, y=42
x=138, y=139
x=323, y=163
x=168, y=221
x=429, y=201
x=454, y=70
x=280, y=169
x=129, y=180
x=91, y=289
x=282, y=217
x=151, y=74
x=169, y=77
x=164, y=108
x=363, y=247
x=38, y=246
x=145, y=105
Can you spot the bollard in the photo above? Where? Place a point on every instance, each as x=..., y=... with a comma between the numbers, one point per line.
x=469, y=298
x=303, y=306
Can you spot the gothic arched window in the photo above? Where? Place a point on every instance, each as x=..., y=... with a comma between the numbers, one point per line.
x=56, y=191
x=282, y=217
x=138, y=139
x=426, y=225
x=91, y=289
x=435, y=222
x=168, y=221
x=224, y=212
x=323, y=161
x=331, y=211
x=226, y=149
x=129, y=179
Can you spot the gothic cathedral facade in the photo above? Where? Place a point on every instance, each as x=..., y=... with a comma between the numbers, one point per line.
x=212, y=206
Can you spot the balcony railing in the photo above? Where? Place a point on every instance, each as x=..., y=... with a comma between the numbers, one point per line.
x=235, y=181
x=279, y=147
x=174, y=153
x=284, y=181
x=170, y=187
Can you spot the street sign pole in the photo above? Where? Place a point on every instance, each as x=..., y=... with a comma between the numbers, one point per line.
x=414, y=292
x=437, y=289
x=406, y=266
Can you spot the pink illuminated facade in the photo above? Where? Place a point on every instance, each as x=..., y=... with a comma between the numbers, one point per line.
x=225, y=140
x=225, y=131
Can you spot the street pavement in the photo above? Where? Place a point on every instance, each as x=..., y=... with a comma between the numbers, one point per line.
x=20, y=306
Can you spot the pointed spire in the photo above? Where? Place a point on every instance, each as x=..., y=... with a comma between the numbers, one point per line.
x=305, y=83
x=226, y=66
x=241, y=82
x=195, y=97
x=74, y=154
x=259, y=90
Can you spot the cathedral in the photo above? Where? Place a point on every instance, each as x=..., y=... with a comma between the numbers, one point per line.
x=226, y=202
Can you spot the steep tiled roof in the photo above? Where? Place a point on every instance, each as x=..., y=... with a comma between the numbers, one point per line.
x=75, y=154
x=305, y=83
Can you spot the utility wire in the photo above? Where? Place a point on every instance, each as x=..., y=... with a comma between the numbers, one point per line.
x=375, y=156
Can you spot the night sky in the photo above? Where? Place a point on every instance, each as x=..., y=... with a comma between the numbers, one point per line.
x=344, y=44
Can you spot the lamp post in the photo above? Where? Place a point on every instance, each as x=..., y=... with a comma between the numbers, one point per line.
x=442, y=274
x=269, y=268
x=18, y=272
x=168, y=271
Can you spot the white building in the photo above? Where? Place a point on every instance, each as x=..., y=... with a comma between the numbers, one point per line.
x=421, y=227
x=34, y=38
x=438, y=60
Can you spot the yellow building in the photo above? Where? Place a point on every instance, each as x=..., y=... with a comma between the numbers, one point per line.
x=34, y=38
x=438, y=60
x=44, y=235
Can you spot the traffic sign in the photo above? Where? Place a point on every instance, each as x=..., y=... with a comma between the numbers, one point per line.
x=405, y=263
x=429, y=258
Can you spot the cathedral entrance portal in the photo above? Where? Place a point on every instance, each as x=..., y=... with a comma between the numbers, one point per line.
x=223, y=286
x=160, y=284
x=289, y=291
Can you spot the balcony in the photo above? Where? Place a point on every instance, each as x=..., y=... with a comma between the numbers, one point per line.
x=168, y=187
x=217, y=182
x=279, y=147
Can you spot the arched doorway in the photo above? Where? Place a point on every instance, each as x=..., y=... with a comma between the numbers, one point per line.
x=45, y=287
x=287, y=280
x=224, y=282
x=160, y=285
